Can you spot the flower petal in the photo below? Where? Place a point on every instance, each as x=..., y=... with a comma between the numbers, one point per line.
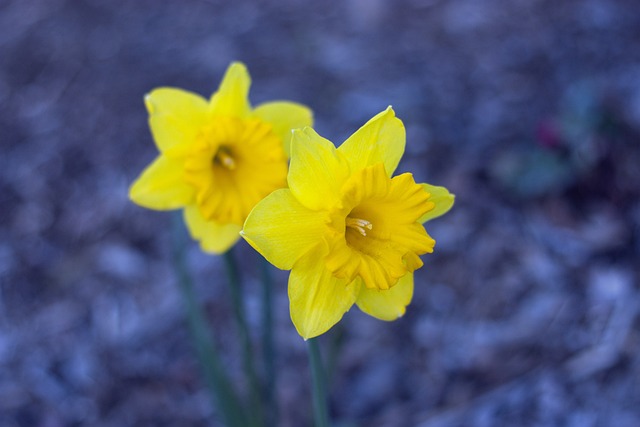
x=161, y=185
x=213, y=237
x=232, y=97
x=318, y=300
x=283, y=230
x=441, y=197
x=317, y=170
x=284, y=117
x=175, y=116
x=381, y=139
x=388, y=304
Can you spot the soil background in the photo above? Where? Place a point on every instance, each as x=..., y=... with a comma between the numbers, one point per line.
x=528, y=110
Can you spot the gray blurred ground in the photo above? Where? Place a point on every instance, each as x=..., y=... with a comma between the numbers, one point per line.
x=529, y=110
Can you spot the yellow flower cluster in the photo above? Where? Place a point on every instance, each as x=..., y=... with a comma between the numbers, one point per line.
x=349, y=231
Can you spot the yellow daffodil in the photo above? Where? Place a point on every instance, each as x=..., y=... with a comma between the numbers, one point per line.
x=349, y=232
x=218, y=158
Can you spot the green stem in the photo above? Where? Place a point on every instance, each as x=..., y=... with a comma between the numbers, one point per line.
x=233, y=275
x=268, y=347
x=219, y=386
x=336, y=340
x=320, y=408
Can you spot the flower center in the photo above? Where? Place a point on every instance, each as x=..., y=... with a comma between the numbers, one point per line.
x=360, y=225
x=234, y=164
x=224, y=158
x=386, y=245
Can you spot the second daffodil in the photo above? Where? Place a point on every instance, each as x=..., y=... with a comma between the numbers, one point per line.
x=348, y=230
x=218, y=157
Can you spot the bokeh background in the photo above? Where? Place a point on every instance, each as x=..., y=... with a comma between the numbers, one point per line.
x=529, y=110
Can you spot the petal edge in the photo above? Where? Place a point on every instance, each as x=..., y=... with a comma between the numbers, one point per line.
x=317, y=170
x=175, y=116
x=381, y=139
x=232, y=97
x=213, y=237
x=284, y=116
x=282, y=230
x=387, y=304
x=318, y=300
x=161, y=186
x=442, y=199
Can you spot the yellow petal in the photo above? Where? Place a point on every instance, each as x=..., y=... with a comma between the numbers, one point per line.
x=381, y=139
x=387, y=304
x=283, y=230
x=232, y=97
x=317, y=299
x=317, y=171
x=175, y=116
x=442, y=199
x=213, y=237
x=161, y=186
x=284, y=117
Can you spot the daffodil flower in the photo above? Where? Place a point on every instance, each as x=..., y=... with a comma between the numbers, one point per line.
x=348, y=230
x=218, y=157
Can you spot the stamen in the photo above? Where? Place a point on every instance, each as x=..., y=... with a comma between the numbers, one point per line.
x=360, y=225
x=225, y=159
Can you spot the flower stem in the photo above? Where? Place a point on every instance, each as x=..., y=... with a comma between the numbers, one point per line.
x=320, y=408
x=336, y=341
x=219, y=386
x=233, y=276
x=268, y=347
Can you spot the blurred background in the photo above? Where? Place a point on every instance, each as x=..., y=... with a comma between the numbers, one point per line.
x=528, y=110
